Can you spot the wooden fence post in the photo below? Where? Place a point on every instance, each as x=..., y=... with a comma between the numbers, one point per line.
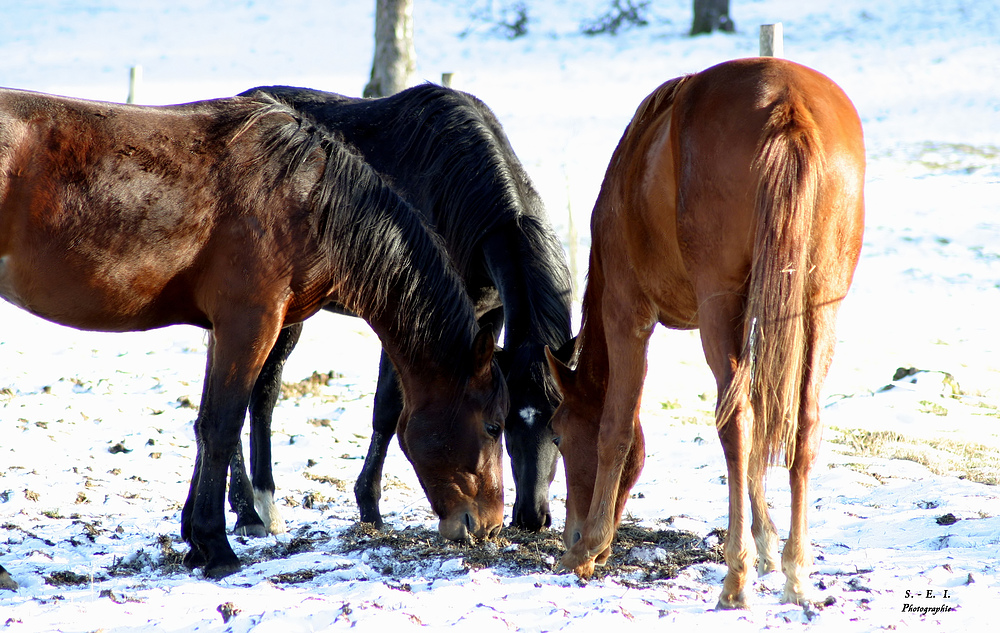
x=771, y=44
x=447, y=79
x=134, y=80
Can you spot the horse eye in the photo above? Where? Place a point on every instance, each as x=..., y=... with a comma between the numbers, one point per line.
x=494, y=428
x=556, y=439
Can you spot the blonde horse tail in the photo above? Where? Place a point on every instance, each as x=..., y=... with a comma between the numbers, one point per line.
x=770, y=369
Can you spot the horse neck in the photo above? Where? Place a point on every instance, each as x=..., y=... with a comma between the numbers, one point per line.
x=390, y=270
x=592, y=363
x=427, y=141
x=534, y=288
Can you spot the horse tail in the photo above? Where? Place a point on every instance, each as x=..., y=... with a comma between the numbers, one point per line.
x=788, y=165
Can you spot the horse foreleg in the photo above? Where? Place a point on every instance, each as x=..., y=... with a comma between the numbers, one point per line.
x=765, y=535
x=236, y=354
x=388, y=405
x=736, y=441
x=796, y=558
x=618, y=442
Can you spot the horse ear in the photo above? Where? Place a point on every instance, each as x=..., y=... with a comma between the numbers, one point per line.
x=565, y=351
x=564, y=376
x=502, y=357
x=482, y=351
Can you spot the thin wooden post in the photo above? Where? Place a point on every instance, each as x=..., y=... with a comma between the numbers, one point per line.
x=447, y=79
x=572, y=241
x=771, y=43
x=134, y=79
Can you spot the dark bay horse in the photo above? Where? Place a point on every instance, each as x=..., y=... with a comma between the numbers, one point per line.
x=447, y=155
x=733, y=204
x=237, y=216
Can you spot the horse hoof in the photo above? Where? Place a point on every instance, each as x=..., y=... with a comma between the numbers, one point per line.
x=251, y=531
x=732, y=603
x=375, y=518
x=220, y=569
x=797, y=598
x=194, y=559
x=6, y=582
x=583, y=570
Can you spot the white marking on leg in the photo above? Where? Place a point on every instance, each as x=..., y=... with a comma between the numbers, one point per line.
x=263, y=503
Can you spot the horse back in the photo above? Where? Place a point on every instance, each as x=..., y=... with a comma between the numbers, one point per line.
x=726, y=117
x=109, y=213
x=683, y=182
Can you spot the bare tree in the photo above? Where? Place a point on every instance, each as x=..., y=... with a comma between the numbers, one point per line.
x=395, y=58
x=710, y=15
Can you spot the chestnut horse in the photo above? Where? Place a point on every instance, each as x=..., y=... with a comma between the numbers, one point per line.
x=237, y=216
x=447, y=155
x=733, y=204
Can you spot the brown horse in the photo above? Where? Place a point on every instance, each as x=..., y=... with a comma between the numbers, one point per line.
x=236, y=216
x=732, y=204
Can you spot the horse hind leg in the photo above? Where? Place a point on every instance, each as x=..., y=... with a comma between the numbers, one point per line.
x=241, y=498
x=256, y=513
x=388, y=405
x=721, y=335
x=796, y=558
x=266, y=392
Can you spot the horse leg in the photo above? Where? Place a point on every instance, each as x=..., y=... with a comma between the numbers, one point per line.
x=796, y=558
x=265, y=396
x=388, y=406
x=618, y=442
x=248, y=522
x=765, y=535
x=721, y=336
x=256, y=513
x=235, y=357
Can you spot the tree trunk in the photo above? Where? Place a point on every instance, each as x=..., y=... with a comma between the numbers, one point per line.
x=710, y=15
x=395, y=58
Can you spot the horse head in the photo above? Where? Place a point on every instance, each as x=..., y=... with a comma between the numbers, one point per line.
x=534, y=396
x=450, y=431
x=576, y=427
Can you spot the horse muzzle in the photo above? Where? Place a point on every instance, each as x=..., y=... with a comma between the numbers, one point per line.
x=465, y=524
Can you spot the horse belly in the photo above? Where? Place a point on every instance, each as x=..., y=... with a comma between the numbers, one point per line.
x=64, y=291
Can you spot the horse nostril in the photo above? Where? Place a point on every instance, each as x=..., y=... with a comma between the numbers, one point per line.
x=469, y=522
x=576, y=537
x=547, y=521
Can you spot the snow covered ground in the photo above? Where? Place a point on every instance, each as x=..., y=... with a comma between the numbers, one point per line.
x=97, y=441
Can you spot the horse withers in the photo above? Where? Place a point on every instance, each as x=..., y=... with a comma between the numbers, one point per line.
x=447, y=155
x=733, y=204
x=237, y=216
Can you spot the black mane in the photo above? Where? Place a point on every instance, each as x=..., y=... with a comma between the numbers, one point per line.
x=480, y=188
x=387, y=266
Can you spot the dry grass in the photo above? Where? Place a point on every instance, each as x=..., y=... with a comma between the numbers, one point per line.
x=313, y=386
x=967, y=460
